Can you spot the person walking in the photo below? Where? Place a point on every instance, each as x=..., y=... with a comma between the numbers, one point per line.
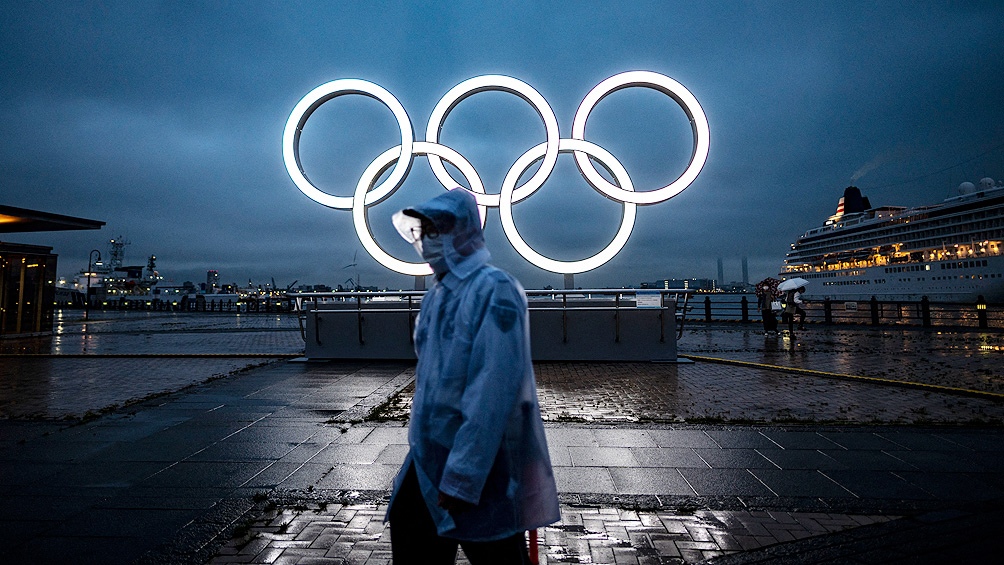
x=793, y=307
x=477, y=473
x=766, y=292
x=799, y=311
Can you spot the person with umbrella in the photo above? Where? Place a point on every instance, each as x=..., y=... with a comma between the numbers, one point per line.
x=793, y=289
x=766, y=292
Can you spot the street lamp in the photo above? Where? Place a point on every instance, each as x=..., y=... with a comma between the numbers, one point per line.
x=87, y=297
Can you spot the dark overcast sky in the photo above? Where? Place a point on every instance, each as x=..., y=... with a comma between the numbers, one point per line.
x=164, y=120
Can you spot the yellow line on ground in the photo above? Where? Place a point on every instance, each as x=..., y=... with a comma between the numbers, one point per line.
x=872, y=380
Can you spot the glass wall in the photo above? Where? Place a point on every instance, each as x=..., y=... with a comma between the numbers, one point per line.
x=27, y=290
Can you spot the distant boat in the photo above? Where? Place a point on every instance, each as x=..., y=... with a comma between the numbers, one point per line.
x=112, y=280
x=948, y=252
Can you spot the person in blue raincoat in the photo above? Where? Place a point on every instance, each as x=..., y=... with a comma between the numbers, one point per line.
x=477, y=472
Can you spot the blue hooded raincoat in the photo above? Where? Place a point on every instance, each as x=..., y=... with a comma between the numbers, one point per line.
x=475, y=432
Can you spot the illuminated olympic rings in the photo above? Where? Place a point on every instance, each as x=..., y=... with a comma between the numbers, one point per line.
x=401, y=157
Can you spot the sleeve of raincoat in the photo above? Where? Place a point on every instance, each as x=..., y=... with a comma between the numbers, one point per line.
x=498, y=363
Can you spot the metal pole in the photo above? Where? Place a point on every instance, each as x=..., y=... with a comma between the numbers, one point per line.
x=87, y=297
x=564, y=317
x=617, y=318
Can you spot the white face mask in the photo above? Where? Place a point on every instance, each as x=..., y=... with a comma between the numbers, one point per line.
x=430, y=249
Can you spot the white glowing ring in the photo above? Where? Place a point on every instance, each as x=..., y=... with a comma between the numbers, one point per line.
x=567, y=267
x=673, y=89
x=504, y=84
x=402, y=157
x=361, y=199
x=306, y=106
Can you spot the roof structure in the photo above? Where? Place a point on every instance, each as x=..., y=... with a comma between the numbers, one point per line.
x=17, y=220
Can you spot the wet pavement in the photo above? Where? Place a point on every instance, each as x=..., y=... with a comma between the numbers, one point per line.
x=47, y=378
x=782, y=458
x=970, y=360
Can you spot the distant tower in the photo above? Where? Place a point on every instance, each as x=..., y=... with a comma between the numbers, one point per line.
x=721, y=273
x=212, y=279
x=746, y=272
x=118, y=253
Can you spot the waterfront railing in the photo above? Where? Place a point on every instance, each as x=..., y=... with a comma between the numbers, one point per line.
x=923, y=313
x=689, y=307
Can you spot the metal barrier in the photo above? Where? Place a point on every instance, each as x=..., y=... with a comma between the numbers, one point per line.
x=567, y=325
x=975, y=315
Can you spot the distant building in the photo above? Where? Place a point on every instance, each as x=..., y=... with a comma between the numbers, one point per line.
x=212, y=280
x=707, y=285
x=313, y=288
x=28, y=272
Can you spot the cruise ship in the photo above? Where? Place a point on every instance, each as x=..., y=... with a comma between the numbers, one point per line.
x=949, y=252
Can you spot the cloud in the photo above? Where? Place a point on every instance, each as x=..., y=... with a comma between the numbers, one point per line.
x=164, y=121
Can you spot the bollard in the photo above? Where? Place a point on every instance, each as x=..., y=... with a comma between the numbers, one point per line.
x=925, y=311
x=981, y=312
x=746, y=310
x=707, y=308
x=827, y=312
x=875, y=311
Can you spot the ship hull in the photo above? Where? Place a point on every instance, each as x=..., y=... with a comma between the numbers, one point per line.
x=957, y=281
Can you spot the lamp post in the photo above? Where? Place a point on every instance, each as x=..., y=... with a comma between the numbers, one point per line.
x=90, y=273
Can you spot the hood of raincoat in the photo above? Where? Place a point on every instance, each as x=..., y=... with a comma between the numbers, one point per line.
x=455, y=215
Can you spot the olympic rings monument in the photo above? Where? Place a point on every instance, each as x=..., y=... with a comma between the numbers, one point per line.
x=642, y=324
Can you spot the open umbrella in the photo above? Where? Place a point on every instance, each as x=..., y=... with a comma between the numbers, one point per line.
x=792, y=284
x=767, y=287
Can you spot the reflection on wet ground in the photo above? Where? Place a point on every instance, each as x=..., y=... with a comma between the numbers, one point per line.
x=713, y=393
x=65, y=386
x=710, y=392
x=356, y=533
x=52, y=383
x=970, y=360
